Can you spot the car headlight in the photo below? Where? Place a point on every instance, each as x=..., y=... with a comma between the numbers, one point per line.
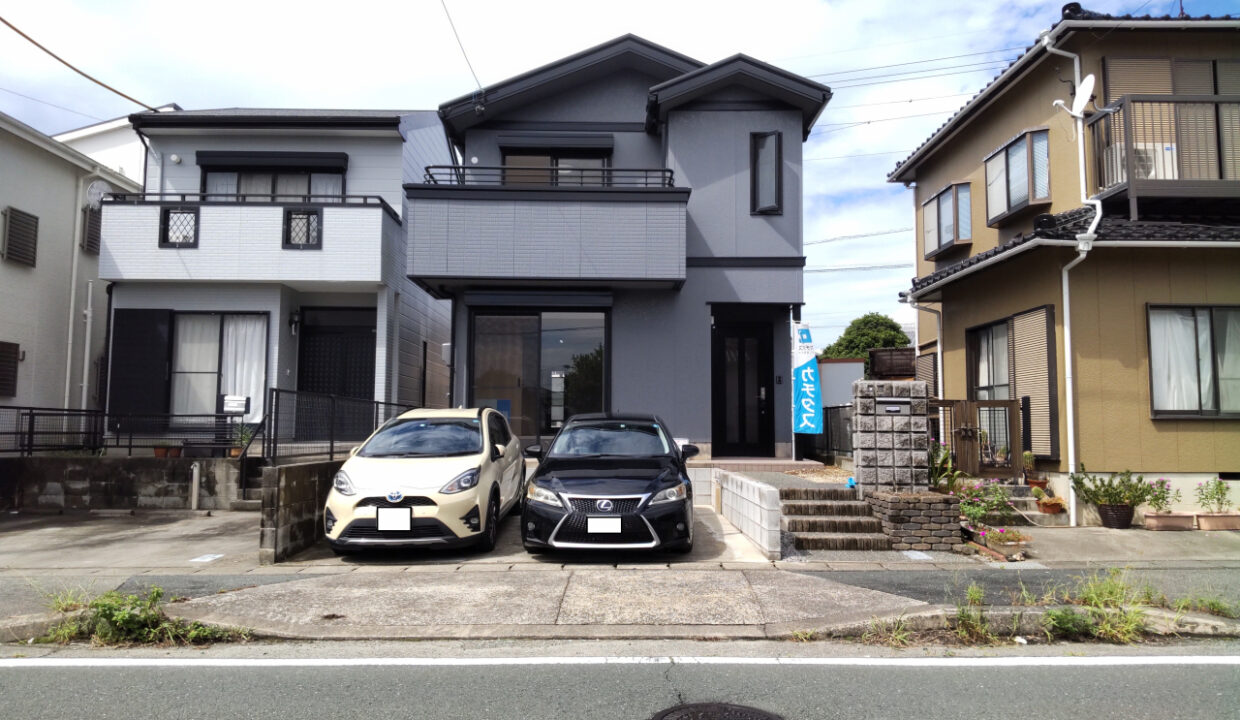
x=461, y=483
x=343, y=484
x=539, y=494
x=671, y=494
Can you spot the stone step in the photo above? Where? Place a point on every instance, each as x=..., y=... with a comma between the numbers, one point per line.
x=818, y=493
x=841, y=541
x=254, y=493
x=830, y=524
x=246, y=505
x=852, y=508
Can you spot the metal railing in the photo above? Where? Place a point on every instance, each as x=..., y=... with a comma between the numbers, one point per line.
x=559, y=177
x=249, y=199
x=30, y=430
x=305, y=424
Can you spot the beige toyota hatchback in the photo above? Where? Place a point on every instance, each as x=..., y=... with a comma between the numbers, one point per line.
x=438, y=478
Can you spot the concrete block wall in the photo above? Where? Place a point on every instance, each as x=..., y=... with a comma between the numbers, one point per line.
x=292, y=512
x=890, y=450
x=752, y=507
x=116, y=483
x=919, y=521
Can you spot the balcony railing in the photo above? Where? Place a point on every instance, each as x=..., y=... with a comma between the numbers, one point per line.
x=1167, y=146
x=544, y=177
x=249, y=199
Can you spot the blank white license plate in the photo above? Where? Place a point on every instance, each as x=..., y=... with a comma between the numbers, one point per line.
x=602, y=525
x=395, y=519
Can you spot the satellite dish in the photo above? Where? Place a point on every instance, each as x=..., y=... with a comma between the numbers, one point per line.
x=95, y=193
x=1083, y=94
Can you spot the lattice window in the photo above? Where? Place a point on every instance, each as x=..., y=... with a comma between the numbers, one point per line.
x=179, y=228
x=21, y=236
x=302, y=229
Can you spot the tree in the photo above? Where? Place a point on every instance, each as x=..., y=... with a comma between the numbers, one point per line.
x=872, y=330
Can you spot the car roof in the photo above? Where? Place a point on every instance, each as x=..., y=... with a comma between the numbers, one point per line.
x=631, y=417
x=459, y=413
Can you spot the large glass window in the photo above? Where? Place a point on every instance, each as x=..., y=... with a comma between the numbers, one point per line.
x=1018, y=175
x=570, y=167
x=765, y=178
x=274, y=186
x=946, y=219
x=215, y=355
x=1195, y=360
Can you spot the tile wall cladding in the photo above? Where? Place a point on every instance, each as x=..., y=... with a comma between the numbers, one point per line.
x=890, y=447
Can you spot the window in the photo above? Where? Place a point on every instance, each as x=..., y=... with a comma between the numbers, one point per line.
x=303, y=229
x=178, y=228
x=10, y=355
x=21, y=237
x=569, y=167
x=498, y=429
x=215, y=355
x=990, y=377
x=1195, y=360
x=1018, y=175
x=271, y=186
x=765, y=173
x=92, y=229
x=946, y=219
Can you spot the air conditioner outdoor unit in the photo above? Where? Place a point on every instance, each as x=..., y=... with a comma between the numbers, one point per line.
x=1150, y=161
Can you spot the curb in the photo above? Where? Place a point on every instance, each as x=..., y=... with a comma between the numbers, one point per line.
x=21, y=628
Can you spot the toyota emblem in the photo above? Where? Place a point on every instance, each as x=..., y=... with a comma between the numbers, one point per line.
x=395, y=496
x=604, y=505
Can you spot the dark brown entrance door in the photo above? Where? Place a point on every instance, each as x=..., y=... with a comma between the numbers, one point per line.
x=742, y=374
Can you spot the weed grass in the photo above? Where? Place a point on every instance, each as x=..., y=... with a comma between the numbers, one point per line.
x=892, y=633
x=116, y=619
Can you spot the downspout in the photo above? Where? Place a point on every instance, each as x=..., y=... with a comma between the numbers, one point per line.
x=88, y=316
x=79, y=228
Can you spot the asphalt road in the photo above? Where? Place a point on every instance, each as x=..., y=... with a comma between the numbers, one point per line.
x=932, y=688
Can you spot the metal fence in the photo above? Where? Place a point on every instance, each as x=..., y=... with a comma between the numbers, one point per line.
x=29, y=430
x=836, y=437
x=305, y=424
x=513, y=175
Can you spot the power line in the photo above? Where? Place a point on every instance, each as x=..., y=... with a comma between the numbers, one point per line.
x=835, y=88
x=905, y=100
x=1001, y=62
x=915, y=62
x=876, y=233
x=459, y=43
x=834, y=127
x=847, y=268
x=844, y=157
x=58, y=107
x=895, y=44
x=71, y=67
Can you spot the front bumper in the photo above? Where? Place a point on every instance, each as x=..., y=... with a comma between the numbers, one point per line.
x=351, y=521
x=647, y=528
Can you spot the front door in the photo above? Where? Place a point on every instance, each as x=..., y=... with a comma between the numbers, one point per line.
x=336, y=356
x=742, y=372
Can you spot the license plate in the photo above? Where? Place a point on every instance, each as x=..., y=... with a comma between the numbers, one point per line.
x=395, y=519
x=602, y=525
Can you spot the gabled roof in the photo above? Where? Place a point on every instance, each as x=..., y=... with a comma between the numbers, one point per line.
x=1073, y=19
x=624, y=52
x=271, y=118
x=50, y=145
x=106, y=125
x=741, y=70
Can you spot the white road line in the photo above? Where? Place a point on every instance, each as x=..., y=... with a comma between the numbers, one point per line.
x=982, y=662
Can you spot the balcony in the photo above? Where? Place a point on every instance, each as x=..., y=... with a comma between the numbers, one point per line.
x=516, y=225
x=1166, y=146
x=286, y=239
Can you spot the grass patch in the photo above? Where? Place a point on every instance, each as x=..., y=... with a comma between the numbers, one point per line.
x=68, y=600
x=892, y=633
x=797, y=635
x=970, y=624
x=116, y=619
x=1111, y=610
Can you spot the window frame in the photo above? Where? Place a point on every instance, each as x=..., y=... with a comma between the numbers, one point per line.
x=554, y=155
x=778, y=207
x=286, y=233
x=973, y=353
x=275, y=172
x=1200, y=414
x=956, y=240
x=164, y=215
x=11, y=215
x=1031, y=200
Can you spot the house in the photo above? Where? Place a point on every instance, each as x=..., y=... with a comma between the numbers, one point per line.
x=267, y=251
x=1093, y=267
x=113, y=144
x=52, y=329
x=624, y=233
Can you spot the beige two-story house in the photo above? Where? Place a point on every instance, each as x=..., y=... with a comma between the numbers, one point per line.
x=1092, y=268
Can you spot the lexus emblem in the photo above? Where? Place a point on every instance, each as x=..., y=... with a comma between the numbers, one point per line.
x=395, y=496
x=604, y=505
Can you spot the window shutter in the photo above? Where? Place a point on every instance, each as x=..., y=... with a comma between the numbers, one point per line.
x=92, y=229
x=1137, y=76
x=1229, y=118
x=1033, y=360
x=10, y=353
x=927, y=372
x=21, y=236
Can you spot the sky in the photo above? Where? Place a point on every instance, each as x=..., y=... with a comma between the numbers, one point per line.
x=898, y=70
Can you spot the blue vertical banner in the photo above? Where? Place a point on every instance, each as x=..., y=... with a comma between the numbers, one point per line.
x=806, y=390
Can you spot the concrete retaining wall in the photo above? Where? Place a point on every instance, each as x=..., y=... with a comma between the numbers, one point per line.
x=919, y=521
x=751, y=506
x=116, y=483
x=293, y=499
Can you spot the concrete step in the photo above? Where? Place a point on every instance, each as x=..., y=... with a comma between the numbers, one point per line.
x=246, y=505
x=254, y=493
x=827, y=507
x=818, y=493
x=830, y=524
x=841, y=541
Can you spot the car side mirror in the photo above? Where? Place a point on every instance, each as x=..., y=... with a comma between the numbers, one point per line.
x=688, y=451
x=534, y=451
x=497, y=451
x=353, y=450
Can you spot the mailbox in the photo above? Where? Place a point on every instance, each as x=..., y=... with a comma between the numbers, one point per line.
x=234, y=404
x=892, y=406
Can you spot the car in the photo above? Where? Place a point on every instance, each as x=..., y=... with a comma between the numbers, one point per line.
x=610, y=482
x=440, y=478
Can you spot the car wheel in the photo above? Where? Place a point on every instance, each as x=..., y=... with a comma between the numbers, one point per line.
x=491, y=532
x=343, y=551
x=684, y=549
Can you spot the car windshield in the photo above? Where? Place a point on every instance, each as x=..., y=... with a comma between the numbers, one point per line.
x=626, y=439
x=418, y=437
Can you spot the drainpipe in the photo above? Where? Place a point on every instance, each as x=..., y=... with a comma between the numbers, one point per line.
x=79, y=227
x=88, y=316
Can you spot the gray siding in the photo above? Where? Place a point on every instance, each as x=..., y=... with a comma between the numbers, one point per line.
x=425, y=144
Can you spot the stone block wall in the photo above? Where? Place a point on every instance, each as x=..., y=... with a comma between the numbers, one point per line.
x=116, y=483
x=292, y=514
x=919, y=521
x=753, y=507
x=890, y=450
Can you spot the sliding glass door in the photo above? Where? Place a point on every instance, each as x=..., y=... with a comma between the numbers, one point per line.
x=215, y=354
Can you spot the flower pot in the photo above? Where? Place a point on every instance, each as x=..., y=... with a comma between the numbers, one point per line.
x=234, y=452
x=1168, y=521
x=1218, y=521
x=174, y=452
x=1116, y=517
x=1050, y=508
x=161, y=452
x=1037, y=482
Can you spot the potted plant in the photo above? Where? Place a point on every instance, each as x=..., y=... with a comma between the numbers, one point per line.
x=1159, y=516
x=1028, y=460
x=983, y=439
x=1116, y=496
x=1001, y=454
x=1214, y=498
x=1008, y=541
x=1049, y=504
x=242, y=434
x=944, y=477
x=166, y=448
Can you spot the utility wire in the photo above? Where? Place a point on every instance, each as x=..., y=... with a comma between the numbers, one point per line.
x=74, y=69
x=876, y=233
x=848, y=268
x=983, y=65
x=905, y=100
x=843, y=157
x=58, y=107
x=914, y=62
x=894, y=44
x=835, y=88
x=459, y=43
x=835, y=127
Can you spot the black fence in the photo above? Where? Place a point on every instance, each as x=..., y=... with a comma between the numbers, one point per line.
x=513, y=175
x=30, y=430
x=305, y=424
x=836, y=437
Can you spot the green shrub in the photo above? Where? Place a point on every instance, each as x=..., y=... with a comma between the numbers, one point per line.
x=116, y=619
x=1119, y=489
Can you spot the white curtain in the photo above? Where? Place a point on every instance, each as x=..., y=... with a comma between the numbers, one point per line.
x=195, y=363
x=1018, y=173
x=244, y=359
x=1205, y=360
x=326, y=184
x=1173, y=359
x=996, y=186
x=292, y=188
x=221, y=185
x=256, y=185
x=1227, y=345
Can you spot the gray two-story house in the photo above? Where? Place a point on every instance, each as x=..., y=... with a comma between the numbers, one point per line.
x=623, y=232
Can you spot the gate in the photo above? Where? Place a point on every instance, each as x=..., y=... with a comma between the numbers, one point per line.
x=984, y=436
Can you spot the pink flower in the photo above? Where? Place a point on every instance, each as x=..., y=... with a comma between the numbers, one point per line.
x=1000, y=529
x=983, y=532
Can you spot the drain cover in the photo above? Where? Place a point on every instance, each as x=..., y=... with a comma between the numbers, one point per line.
x=714, y=711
